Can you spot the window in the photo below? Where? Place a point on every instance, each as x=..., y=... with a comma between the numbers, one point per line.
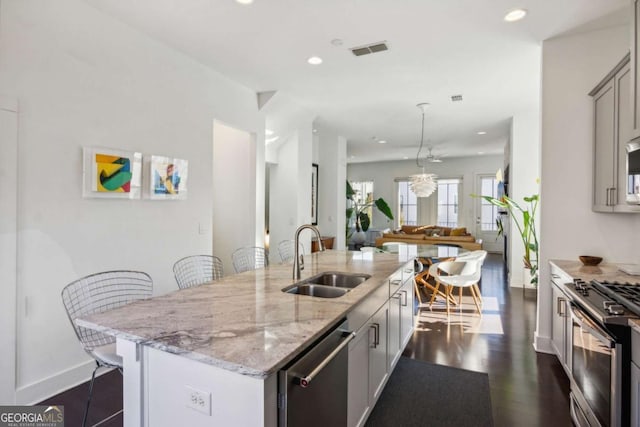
x=407, y=205
x=448, y=202
x=488, y=212
x=363, y=195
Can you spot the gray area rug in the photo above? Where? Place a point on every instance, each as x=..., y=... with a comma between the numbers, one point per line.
x=423, y=394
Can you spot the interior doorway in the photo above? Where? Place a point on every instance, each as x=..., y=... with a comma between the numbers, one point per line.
x=487, y=214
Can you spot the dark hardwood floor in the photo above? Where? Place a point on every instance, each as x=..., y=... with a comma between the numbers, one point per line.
x=527, y=388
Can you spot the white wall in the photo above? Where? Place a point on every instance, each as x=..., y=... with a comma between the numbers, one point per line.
x=234, y=170
x=384, y=173
x=332, y=175
x=82, y=79
x=572, y=66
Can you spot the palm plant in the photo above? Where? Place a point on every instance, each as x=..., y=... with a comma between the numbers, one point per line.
x=524, y=218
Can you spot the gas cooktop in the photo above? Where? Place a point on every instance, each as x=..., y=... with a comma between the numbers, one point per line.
x=607, y=302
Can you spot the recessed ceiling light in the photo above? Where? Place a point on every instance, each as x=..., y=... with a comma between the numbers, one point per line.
x=270, y=140
x=480, y=152
x=382, y=141
x=515, y=15
x=315, y=131
x=315, y=60
x=268, y=132
x=406, y=158
x=482, y=132
x=244, y=1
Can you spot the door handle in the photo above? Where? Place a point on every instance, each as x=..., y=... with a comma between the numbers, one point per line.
x=305, y=381
x=376, y=334
x=607, y=198
x=559, y=307
x=614, y=196
x=404, y=304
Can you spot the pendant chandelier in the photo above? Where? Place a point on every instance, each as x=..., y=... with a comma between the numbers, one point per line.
x=422, y=184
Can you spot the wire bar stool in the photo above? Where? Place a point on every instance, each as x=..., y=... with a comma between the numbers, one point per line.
x=197, y=269
x=249, y=258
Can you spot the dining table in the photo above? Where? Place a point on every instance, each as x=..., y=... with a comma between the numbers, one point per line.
x=425, y=255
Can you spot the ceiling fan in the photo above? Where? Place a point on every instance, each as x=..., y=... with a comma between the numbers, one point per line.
x=431, y=158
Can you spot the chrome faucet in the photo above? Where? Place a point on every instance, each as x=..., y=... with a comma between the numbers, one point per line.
x=298, y=261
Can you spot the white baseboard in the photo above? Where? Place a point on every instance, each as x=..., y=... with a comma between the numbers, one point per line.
x=542, y=344
x=40, y=390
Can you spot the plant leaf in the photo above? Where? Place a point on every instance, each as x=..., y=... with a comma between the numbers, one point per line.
x=350, y=192
x=384, y=208
x=364, y=221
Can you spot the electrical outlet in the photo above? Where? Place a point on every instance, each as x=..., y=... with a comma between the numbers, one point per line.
x=199, y=400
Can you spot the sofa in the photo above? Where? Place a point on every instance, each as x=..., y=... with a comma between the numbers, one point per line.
x=431, y=235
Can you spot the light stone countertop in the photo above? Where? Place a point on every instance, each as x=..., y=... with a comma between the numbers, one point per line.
x=244, y=322
x=608, y=272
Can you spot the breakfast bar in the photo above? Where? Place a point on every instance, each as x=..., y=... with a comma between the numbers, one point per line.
x=210, y=355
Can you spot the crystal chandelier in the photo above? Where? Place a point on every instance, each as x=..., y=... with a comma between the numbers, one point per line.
x=422, y=184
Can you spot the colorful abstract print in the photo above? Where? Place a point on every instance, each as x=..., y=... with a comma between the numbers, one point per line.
x=113, y=174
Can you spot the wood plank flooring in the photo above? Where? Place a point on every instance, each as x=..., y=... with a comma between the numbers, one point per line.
x=527, y=388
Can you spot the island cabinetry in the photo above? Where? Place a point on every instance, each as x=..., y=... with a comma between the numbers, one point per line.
x=561, y=323
x=612, y=130
x=400, y=318
x=368, y=369
x=635, y=377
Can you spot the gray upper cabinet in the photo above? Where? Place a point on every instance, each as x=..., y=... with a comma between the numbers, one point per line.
x=634, y=90
x=612, y=129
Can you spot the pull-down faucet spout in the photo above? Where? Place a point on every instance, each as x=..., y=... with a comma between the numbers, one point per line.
x=297, y=255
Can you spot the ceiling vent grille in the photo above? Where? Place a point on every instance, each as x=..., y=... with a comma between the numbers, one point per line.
x=456, y=98
x=371, y=48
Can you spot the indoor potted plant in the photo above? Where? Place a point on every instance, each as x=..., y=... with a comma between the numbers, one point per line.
x=524, y=218
x=362, y=219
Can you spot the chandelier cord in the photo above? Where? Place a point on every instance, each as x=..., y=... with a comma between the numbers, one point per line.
x=421, y=140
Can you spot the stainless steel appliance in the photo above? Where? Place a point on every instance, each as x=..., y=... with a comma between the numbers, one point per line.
x=601, y=352
x=312, y=389
x=633, y=172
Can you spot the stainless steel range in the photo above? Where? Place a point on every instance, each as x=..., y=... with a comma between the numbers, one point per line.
x=601, y=351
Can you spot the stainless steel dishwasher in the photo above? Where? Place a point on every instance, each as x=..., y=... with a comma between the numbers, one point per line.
x=312, y=390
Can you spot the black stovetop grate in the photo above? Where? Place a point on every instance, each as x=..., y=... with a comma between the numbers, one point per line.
x=627, y=294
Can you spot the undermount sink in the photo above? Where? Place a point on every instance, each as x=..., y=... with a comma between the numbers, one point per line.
x=337, y=279
x=330, y=284
x=316, y=290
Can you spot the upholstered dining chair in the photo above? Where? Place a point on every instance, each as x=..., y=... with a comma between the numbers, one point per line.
x=97, y=293
x=460, y=274
x=249, y=258
x=195, y=270
x=286, y=250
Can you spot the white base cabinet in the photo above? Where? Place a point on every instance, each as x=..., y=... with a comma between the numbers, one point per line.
x=561, y=321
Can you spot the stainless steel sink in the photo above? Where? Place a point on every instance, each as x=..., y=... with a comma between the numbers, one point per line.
x=316, y=290
x=337, y=279
x=330, y=284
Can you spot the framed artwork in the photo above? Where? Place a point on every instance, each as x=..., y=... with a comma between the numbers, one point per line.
x=314, y=194
x=168, y=178
x=109, y=173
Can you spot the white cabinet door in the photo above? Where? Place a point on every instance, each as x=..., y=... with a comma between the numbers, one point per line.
x=635, y=395
x=558, y=324
x=378, y=368
x=406, y=313
x=358, y=401
x=395, y=338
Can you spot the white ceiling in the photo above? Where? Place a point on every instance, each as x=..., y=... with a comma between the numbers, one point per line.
x=437, y=48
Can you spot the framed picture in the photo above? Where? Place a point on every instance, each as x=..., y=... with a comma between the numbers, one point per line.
x=314, y=194
x=168, y=178
x=109, y=173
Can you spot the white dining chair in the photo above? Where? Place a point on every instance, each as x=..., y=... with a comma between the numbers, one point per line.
x=460, y=274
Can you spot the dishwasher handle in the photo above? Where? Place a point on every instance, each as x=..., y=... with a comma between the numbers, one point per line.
x=306, y=381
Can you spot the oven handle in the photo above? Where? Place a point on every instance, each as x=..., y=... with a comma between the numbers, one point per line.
x=586, y=323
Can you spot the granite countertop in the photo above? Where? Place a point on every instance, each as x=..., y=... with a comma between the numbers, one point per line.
x=606, y=271
x=244, y=322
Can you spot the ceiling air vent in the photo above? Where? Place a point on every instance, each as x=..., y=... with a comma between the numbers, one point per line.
x=370, y=48
x=456, y=98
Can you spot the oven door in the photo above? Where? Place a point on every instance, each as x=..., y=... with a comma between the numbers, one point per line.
x=595, y=372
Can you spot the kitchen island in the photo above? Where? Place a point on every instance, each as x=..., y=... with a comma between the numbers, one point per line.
x=210, y=355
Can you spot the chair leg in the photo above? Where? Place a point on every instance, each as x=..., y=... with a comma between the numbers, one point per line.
x=86, y=409
x=478, y=294
x=417, y=288
x=475, y=299
x=448, y=295
x=435, y=293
